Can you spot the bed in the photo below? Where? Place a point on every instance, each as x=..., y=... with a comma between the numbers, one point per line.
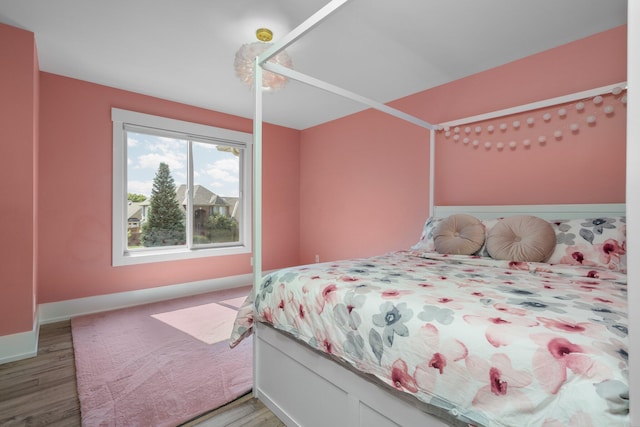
x=418, y=337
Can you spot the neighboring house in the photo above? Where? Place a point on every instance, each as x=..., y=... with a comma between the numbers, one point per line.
x=234, y=207
x=134, y=216
x=205, y=204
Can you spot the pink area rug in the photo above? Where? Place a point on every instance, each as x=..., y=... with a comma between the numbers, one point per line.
x=160, y=364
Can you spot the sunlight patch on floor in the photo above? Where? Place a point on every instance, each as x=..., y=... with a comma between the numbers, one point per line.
x=209, y=323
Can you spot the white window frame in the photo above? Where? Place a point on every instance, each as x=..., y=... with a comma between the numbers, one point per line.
x=120, y=253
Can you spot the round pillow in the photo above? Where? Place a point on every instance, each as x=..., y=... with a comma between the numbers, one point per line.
x=459, y=234
x=521, y=238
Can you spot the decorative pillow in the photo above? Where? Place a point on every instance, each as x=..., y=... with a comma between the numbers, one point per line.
x=459, y=234
x=426, y=242
x=523, y=238
x=596, y=242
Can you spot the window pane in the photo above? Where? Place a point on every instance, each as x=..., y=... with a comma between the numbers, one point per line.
x=216, y=191
x=156, y=188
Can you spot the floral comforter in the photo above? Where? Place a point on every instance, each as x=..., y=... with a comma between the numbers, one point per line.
x=494, y=343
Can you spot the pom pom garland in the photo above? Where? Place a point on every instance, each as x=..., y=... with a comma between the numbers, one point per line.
x=587, y=111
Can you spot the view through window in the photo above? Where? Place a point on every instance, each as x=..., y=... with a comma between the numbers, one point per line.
x=182, y=191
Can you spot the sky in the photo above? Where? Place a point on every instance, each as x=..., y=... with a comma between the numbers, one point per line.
x=214, y=169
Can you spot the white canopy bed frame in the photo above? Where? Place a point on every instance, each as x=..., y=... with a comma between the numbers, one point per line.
x=306, y=388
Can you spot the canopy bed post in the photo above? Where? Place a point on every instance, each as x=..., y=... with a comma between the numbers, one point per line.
x=256, y=259
x=432, y=170
x=257, y=176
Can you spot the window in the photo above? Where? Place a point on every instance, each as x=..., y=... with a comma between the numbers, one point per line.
x=180, y=190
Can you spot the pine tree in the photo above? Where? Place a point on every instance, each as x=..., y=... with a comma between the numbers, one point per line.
x=165, y=222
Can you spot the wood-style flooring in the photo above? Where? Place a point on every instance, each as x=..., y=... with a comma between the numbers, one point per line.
x=41, y=391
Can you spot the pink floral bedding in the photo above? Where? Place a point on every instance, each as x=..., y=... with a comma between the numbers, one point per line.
x=494, y=343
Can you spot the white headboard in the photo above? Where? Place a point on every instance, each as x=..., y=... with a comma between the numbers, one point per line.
x=542, y=211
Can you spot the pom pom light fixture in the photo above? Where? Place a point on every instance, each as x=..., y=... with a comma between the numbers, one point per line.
x=245, y=57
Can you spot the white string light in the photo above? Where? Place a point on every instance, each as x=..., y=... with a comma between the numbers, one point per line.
x=563, y=112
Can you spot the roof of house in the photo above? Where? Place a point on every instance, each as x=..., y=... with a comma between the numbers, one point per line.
x=202, y=196
x=134, y=211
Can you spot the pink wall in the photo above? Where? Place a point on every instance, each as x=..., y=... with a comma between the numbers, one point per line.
x=18, y=149
x=364, y=178
x=75, y=194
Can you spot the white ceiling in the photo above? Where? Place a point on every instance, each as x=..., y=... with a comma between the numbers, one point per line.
x=183, y=50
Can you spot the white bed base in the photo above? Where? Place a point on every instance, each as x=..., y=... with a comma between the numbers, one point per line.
x=305, y=388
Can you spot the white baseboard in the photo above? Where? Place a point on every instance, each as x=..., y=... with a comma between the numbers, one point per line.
x=25, y=344
x=21, y=345
x=65, y=310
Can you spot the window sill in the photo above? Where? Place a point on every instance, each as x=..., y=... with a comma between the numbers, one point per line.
x=144, y=257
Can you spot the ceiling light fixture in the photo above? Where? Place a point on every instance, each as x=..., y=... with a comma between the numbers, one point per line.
x=245, y=57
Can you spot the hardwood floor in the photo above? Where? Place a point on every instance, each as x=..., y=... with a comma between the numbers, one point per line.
x=243, y=412
x=41, y=391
